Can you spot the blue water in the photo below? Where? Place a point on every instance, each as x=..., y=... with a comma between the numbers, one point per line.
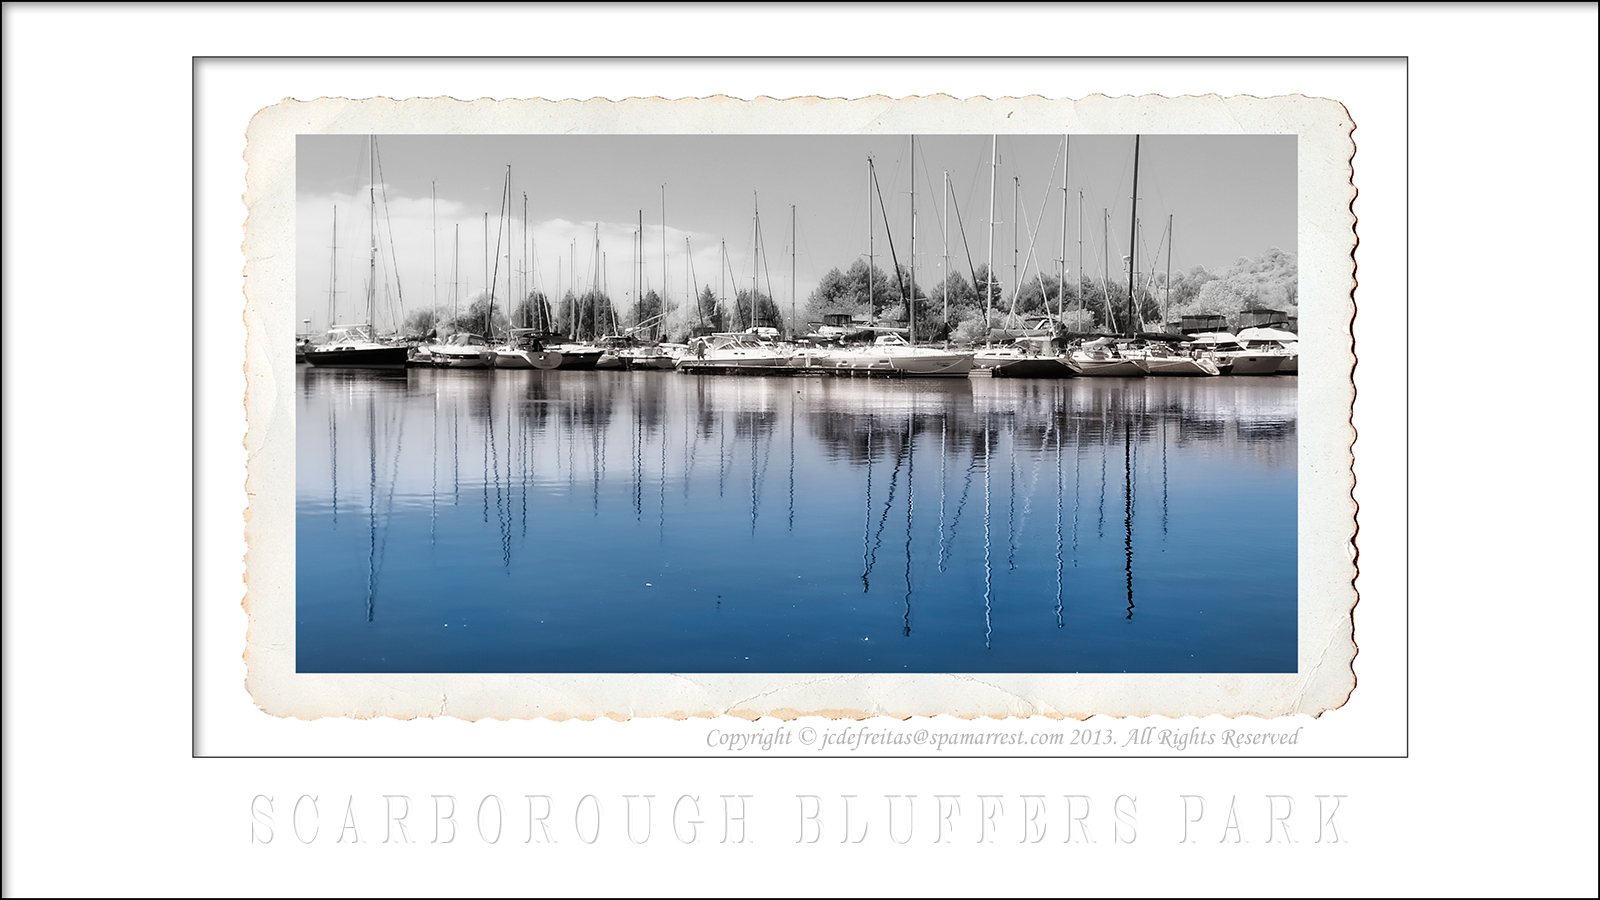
x=506, y=521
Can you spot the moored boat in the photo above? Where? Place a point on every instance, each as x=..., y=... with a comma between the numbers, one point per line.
x=891, y=354
x=462, y=350
x=524, y=350
x=352, y=346
x=1173, y=355
x=1274, y=341
x=734, y=352
x=1233, y=358
x=1026, y=358
x=1101, y=359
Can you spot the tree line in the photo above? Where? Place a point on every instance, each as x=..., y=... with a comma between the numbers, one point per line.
x=958, y=308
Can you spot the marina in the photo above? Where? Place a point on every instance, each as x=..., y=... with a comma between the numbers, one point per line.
x=892, y=457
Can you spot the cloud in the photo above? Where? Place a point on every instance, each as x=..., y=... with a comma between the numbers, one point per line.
x=419, y=260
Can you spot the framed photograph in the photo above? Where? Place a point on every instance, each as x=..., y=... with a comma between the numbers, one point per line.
x=621, y=409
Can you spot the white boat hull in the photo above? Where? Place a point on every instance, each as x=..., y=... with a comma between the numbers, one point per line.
x=527, y=359
x=1110, y=367
x=1254, y=364
x=905, y=362
x=1180, y=365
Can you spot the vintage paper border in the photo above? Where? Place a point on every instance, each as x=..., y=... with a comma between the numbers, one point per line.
x=1326, y=514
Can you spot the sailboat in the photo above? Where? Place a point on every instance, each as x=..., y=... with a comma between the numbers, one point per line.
x=1102, y=357
x=356, y=346
x=891, y=353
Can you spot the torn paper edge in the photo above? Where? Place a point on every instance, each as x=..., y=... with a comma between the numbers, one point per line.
x=1327, y=512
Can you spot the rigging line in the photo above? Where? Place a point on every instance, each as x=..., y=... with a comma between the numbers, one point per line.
x=761, y=262
x=966, y=247
x=758, y=479
x=988, y=567
x=661, y=493
x=383, y=187
x=1033, y=244
x=899, y=280
x=372, y=512
x=944, y=463
x=894, y=483
x=966, y=489
x=791, y=463
x=501, y=514
x=1100, y=528
x=1033, y=486
x=928, y=182
x=433, y=506
x=911, y=504
x=1060, y=558
x=1011, y=508
x=494, y=281
x=866, y=524
x=693, y=279
x=1077, y=482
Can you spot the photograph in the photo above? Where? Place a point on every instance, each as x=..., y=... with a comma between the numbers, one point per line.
x=619, y=403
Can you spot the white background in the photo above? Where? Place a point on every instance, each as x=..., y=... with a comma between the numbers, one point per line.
x=102, y=795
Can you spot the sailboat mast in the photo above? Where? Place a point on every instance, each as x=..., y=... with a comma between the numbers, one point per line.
x=1166, y=299
x=372, y=232
x=911, y=301
x=1133, y=237
x=755, y=261
x=1066, y=170
x=1016, y=276
x=1080, y=248
x=988, y=282
x=1105, y=267
x=794, y=316
x=433, y=196
x=638, y=268
x=663, y=246
x=333, y=287
x=944, y=231
x=872, y=307
x=722, y=280
x=596, y=285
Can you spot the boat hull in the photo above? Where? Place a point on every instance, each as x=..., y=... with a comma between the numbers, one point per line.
x=463, y=360
x=577, y=358
x=729, y=364
x=1115, y=367
x=358, y=357
x=896, y=362
x=1255, y=364
x=527, y=359
x=1170, y=366
x=1026, y=367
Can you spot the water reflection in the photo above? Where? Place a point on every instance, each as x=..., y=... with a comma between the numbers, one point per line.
x=620, y=521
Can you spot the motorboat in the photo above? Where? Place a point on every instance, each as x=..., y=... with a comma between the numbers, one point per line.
x=1024, y=358
x=1163, y=356
x=1101, y=358
x=1274, y=340
x=1233, y=358
x=891, y=354
x=353, y=346
x=524, y=350
x=462, y=350
x=734, y=351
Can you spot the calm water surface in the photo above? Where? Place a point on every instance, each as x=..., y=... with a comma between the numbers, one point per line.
x=506, y=521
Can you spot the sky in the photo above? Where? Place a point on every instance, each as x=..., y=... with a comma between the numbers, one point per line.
x=1228, y=196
